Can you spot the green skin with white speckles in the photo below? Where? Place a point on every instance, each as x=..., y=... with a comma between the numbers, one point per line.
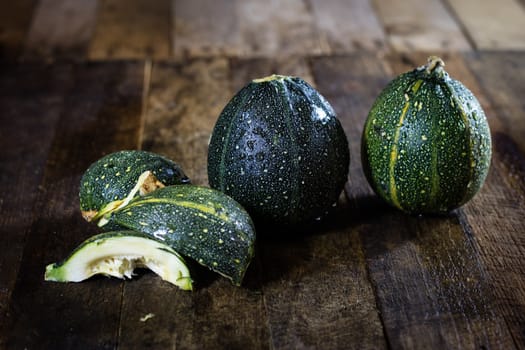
x=198, y=222
x=426, y=144
x=279, y=150
x=112, y=177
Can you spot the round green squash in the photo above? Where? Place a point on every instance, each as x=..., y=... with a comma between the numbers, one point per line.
x=279, y=150
x=426, y=143
x=116, y=178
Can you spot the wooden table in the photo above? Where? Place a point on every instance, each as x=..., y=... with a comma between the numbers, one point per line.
x=82, y=78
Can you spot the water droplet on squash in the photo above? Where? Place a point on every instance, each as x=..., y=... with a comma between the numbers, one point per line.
x=319, y=114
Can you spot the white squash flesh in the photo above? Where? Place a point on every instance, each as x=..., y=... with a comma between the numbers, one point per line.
x=117, y=254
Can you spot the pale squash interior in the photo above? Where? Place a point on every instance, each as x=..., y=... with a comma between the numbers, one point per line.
x=118, y=257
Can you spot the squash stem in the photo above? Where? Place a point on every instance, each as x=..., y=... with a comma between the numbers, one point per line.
x=434, y=66
x=270, y=78
x=146, y=183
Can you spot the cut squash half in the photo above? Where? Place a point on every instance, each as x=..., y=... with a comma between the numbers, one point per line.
x=117, y=254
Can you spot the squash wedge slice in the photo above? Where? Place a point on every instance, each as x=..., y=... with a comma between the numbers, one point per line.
x=117, y=254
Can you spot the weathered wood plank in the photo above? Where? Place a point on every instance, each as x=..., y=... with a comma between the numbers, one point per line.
x=429, y=279
x=61, y=29
x=25, y=137
x=184, y=102
x=502, y=76
x=492, y=25
x=420, y=25
x=436, y=293
x=495, y=218
x=101, y=113
x=347, y=26
x=15, y=19
x=317, y=291
x=132, y=29
x=277, y=28
x=351, y=102
x=499, y=204
x=215, y=315
x=315, y=285
x=206, y=28
x=244, y=28
x=496, y=215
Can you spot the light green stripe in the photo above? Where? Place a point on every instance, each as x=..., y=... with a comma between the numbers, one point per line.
x=394, y=153
x=393, y=157
x=185, y=204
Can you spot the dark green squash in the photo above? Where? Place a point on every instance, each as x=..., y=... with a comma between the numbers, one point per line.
x=279, y=150
x=426, y=144
x=117, y=254
x=198, y=222
x=116, y=178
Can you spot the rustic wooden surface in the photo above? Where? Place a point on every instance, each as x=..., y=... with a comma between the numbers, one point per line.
x=80, y=79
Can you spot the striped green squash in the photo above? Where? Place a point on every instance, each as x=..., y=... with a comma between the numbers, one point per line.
x=426, y=143
x=279, y=150
x=198, y=222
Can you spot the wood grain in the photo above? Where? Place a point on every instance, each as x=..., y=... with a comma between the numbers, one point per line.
x=495, y=218
x=503, y=191
x=501, y=76
x=315, y=285
x=492, y=25
x=347, y=26
x=421, y=268
x=132, y=29
x=183, y=103
x=244, y=28
x=101, y=113
x=435, y=293
x=317, y=291
x=277, y=28
x=60, y=29
x=351, y=103
x=25, y=144
x=215, y=315
x=344, y=94
x=15, y=19
x=420, y=25
x=195, y=35
x=501, y=202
